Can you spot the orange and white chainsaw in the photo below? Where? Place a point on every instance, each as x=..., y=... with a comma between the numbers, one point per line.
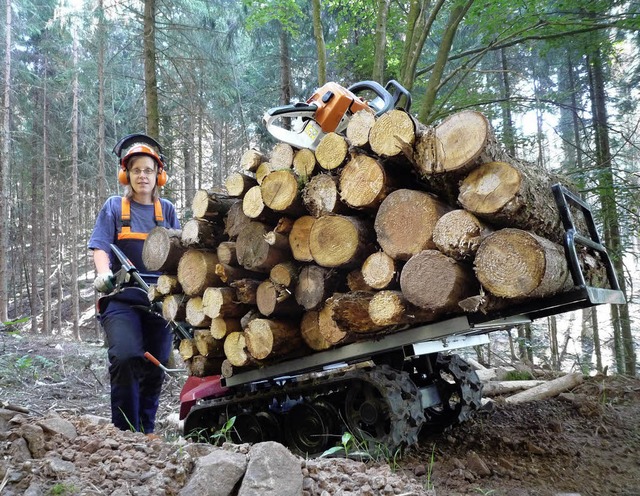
x=329, y=110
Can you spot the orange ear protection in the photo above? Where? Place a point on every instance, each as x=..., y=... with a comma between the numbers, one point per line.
x=142, y=145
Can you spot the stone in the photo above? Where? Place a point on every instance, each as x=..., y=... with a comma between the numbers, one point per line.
x=216, y=474
x=57, y=425
x=272, y=471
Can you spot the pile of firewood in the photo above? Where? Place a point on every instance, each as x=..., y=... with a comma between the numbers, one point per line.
x=393, y=224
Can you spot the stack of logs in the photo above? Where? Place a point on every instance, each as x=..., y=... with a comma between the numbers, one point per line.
x=395, y=223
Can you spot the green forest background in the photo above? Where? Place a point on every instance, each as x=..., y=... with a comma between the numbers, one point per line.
x=557, y=78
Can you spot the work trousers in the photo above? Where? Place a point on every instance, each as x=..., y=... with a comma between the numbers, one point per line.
x=135, y=382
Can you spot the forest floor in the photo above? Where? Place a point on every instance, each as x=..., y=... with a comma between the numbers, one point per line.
x=585, y=442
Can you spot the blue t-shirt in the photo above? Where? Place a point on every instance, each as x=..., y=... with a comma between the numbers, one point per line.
x=143, y=220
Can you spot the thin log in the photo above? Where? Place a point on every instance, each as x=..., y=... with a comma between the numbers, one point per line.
x=197, y=271
x=380, y=271
x=390, y=308
x=235, y=349
x=351, y=311
x=310, y=331
x=512, y=263
x=211, y=206
x=226, y=252
x=251, y=160
x=230, y=273
x=356, y=282
x=340, y=241
x=405, y=222
x=275, y=300
x=285, y=274
x=315, y=285
x=235, y=221
x=321, y=197
x=154, y=294
x=200, y=233
x=458, y=234
x=391, y=132
x=254, y=253
x=222, y=302
x=304, y=163
x=330, y=330
x=280, y=193
x=435, y=282
x=195, y=313
x=246, y=290
x=281, y=156
x=331, y=152
x=263, y=171
x=268, y=338
x=277, y=240
x=496, y=388
x=221, y=327
x=359, y=127
x=237, y=184
x=299, y=238
x=162, y=250
x=174, y=307
x=201, y=366
x=254, y=207
x=187, y=348
x=168, y=284
x=547, y=390
x=206, y=344
x=364, y=183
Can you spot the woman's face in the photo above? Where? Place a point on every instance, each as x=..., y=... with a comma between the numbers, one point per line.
x=142, y=174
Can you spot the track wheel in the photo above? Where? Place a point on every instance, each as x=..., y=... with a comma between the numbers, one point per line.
x=459, y=389
x=270, y=426
x=246, y=429
x=307, y=430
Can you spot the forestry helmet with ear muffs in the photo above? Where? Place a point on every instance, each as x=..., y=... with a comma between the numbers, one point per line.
x=139, y=144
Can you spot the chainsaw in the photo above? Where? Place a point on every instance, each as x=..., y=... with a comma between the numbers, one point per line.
x=329, y=110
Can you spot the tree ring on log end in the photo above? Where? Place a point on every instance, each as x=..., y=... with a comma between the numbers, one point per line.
x=390, y=131
x=489, y=188
x=461, y=137
x=333, y=241
x=279, y=189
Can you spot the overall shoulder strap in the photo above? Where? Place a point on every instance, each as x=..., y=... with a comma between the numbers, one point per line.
x=157, y=206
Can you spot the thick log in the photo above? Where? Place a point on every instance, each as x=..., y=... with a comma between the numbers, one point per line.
x=458, y=234
x=285, y=274
x=206, y=344
x=221, y=327
x=254, y=207
x=267, y=338
x=226, y=252
x=281, y=156
x=380, y=271
x=235, y=221
x=299, y=238
x=392, y=132
x=310, y=331
x=187, y=348
x=246, y=290
x=405, y=221
x=168, y=284
x=359, y=128
x=340, y=241
x=351, y=311
x=162, y=250
x=253, y=251
x=195, y=313
x=331, y=152
x=237, y=184
x=277, y=301
x=201, y=366
x=364, y=183
x=222, y=302
x=320, y=196
x=200, y=233
x=512, y=263
x=230, y=273
x=212, y=206
x=315, y=285
x=197, y=271
x=281, y=194
x=513, y=194
x=435, y=282
x=304, y=163
x=547, y=390
x=251, y=160
x=330, y=330
x=235, y=349
x=174, y=307
x=390, y=308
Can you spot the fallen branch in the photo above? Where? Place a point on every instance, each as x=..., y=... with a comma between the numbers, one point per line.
x=548, y=389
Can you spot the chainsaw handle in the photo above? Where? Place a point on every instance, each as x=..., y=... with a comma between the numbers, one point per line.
x=387, y=103
x=398, y=93
x=293, y=110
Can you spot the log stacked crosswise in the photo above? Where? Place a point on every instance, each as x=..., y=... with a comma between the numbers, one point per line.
x=392, y=223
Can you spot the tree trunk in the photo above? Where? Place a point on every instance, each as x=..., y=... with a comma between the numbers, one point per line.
x=380, y=44
x=150, y=79
x=74, y=217
x=512, y=263
x=405, y=222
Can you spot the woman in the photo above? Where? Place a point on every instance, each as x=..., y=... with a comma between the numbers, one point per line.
x=130, y=329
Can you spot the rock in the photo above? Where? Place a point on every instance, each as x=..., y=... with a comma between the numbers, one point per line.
x=19, y=450
x=57, y=425
x=272, y=470
x=34, y=435
x=419, y=470
x=216, y=474
x=477, y=465
x=59, y=467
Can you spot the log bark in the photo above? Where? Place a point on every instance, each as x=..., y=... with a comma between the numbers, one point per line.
x=405, y=222
x=211, y=206
x=200, y=233
x=310, y=331
x=221, y=327
x=547, y=390
x=226, y=252
x=304, y=164
x=380, y=271
x=435, y=282
x=340, y=241
x=162, y=250
x=230, y=273
x=281, y=156
x=359, y=128
x=280, y=193
x=513, y=194
x=276, y=301
x=195, y=313
x=168, y=284
x=392, y=133
x=299, y=238
x=331, y=152
x=390, y=308
x=197, y=271
x=207, y=345
x=174, y=307
x=495, y=388
x=330, y=330
x=235, y=221
x=320, y=196
x=277, y=240
x=458, y=234
x=251, y=160
x=351, y=311
x=246, y=290
x=315, y=285
x=201, y=366
x=235, y=349
x=222, y=302
x=237, y=184
x=268, y=338
x=254, y=253
x=512, y=263
x=356, y=282
x=364, y=183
